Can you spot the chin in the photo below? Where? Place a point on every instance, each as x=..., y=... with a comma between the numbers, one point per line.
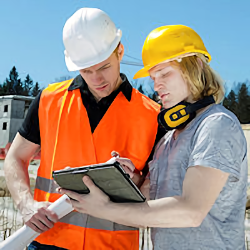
x=169, y=105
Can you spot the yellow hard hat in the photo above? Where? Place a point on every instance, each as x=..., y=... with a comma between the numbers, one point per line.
x=169, y=42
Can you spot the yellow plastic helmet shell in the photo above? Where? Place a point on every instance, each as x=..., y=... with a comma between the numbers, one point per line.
x=169, y=42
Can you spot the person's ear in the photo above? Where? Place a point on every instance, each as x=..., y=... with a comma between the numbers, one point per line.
x=120, y=51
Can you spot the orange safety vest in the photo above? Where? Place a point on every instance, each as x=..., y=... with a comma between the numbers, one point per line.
x=128, y=127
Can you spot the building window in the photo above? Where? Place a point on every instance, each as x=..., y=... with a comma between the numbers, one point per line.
x=5, y=108
x=5, y=126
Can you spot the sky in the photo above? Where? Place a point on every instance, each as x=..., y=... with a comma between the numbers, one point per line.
x=31, y=33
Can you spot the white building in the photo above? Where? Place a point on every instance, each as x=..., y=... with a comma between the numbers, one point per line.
x=13, y=109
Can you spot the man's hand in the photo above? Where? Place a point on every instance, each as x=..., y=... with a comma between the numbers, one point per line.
x=93, y=203
x=129, y=168
x=41, y=219
x=126, y=164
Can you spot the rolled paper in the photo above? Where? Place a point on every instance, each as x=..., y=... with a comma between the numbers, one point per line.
x=25, y=235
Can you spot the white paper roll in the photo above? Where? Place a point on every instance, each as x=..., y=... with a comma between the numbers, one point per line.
x=25, y=235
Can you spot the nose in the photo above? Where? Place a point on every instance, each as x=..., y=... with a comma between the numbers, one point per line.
x=157, y=84
x=97, y=78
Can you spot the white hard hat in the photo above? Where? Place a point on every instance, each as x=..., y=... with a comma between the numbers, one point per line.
x=89, y=37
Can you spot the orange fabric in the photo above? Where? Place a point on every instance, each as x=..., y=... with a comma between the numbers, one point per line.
x=66, y=140
x=102, y=240
x=40, y=195
x=64, y=235
x=118, y=240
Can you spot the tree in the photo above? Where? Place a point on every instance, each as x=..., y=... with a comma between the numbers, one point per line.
x=230, y=102
x=35, y=90
x=1, y=90
x=243, y=104
x=13, y=84
x=27, y=85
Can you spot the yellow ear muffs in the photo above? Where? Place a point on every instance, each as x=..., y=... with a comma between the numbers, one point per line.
x=182, y=113
x=175, y=117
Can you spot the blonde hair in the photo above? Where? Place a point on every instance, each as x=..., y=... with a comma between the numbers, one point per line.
x=201, y=78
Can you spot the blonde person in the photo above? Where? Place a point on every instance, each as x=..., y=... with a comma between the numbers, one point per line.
x=198, y=175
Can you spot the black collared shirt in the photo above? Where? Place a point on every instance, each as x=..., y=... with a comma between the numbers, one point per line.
x=96, y=110
x=30, y=128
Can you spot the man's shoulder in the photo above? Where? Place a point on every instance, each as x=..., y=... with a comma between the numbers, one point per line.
x=58, y=87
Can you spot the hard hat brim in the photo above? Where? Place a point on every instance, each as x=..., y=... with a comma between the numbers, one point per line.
x=72, y=66
x=144, y=72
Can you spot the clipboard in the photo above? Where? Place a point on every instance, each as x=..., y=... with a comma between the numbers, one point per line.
x=109, y=177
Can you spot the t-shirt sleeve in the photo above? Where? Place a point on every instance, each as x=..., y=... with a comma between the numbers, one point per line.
x=30, y=129
x=219, y=143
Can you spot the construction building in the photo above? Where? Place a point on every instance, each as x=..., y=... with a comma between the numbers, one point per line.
x=13, y=109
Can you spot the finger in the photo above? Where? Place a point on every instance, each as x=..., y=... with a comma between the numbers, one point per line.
x=36, y=220
x=67, y=168
x=74, y=203
x=43, y=216
x=52, y=216
x=33, y=227
x=72, y=195
x=128, y=171
x=115, y=154
x=126, y=162
x=40, y=225
x=90, y=184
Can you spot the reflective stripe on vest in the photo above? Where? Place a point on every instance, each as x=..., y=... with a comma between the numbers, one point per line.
x=46, y=185
x=83, y=220
x=66, y=140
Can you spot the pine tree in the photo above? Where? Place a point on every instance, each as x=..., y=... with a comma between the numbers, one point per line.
x=35, y=90
x=13, y=84
x=244, y=104
x=230, y=102
x=1, y=90
x=27, y=85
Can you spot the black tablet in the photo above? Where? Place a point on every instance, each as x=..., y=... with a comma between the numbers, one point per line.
x=109, y=177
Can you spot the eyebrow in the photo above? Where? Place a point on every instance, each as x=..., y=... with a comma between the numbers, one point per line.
x=162, y=71
x=104, y=66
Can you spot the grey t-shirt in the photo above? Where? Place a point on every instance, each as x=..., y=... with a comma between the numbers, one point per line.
x=213, y=139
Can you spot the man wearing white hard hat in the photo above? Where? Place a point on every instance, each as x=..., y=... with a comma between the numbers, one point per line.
x=198, y=176
x=80, y=122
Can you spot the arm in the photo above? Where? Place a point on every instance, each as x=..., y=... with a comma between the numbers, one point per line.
x=16, y=165
x=201, y=187
x=16, y=171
